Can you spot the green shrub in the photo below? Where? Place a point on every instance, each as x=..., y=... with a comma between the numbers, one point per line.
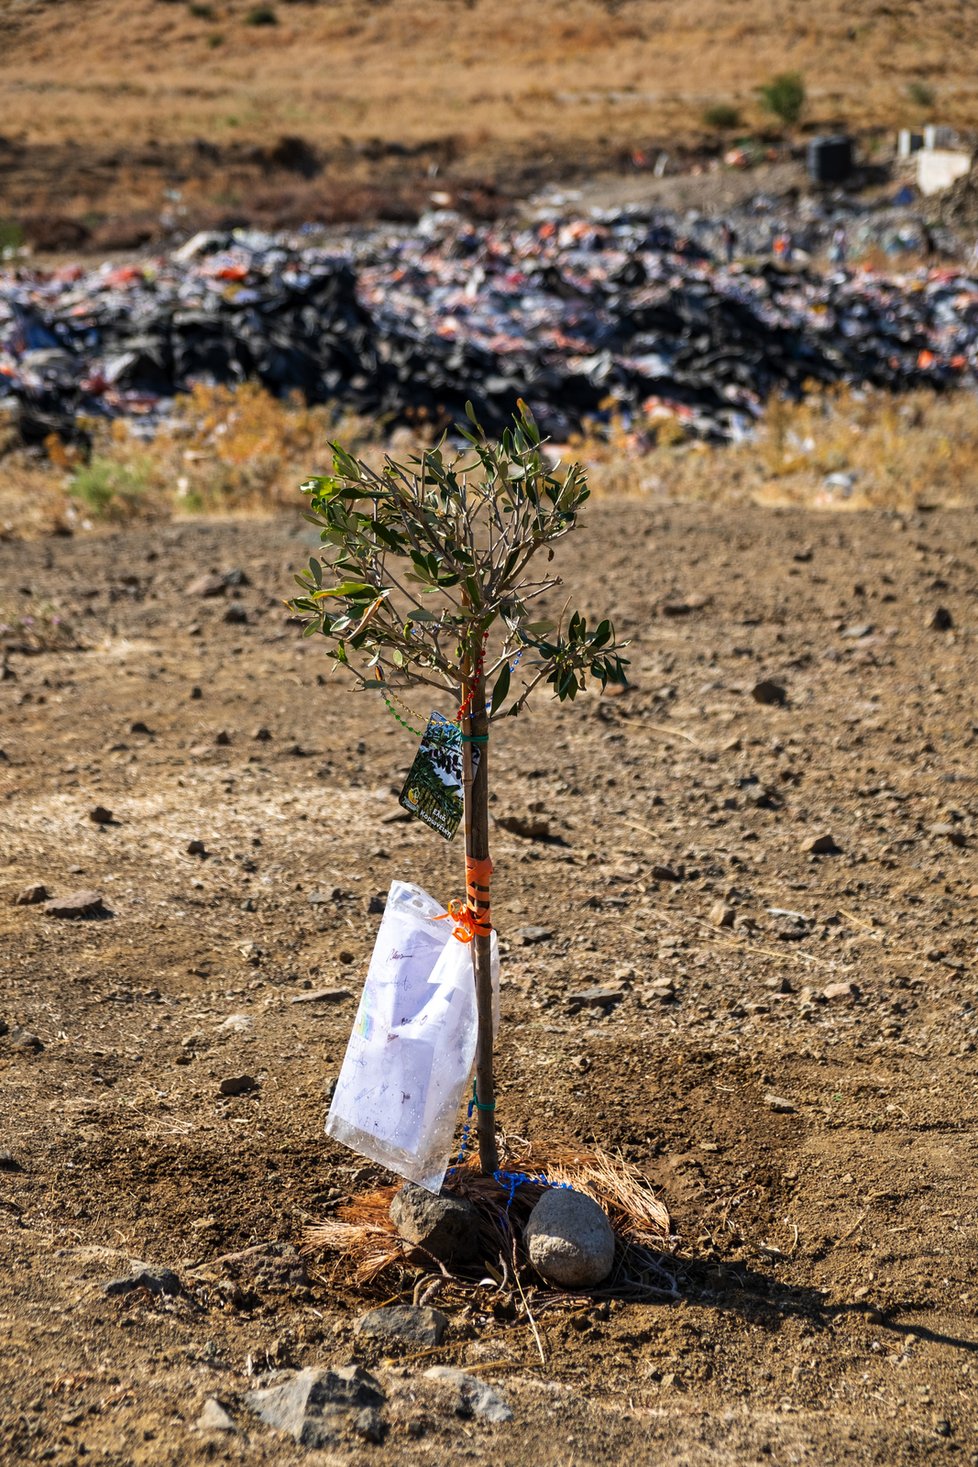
x=11, y=236
x=721, y=117
x=921, y=94
x=201, y=12
x=112, y=490
x=215, y=39
x=784, y=96
x=261, y=15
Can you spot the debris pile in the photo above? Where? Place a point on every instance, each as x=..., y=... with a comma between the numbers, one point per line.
x=581, y=317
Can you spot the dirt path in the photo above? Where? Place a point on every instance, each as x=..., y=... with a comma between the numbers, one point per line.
x=817, y=1155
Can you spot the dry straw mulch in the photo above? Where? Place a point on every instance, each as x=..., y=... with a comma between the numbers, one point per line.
x=364, y=1246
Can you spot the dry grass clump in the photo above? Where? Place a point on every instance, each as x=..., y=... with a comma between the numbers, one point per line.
x=366, y=1249
x=226, y=451
x=232, y=448
x=838, y=448
x=242, y=451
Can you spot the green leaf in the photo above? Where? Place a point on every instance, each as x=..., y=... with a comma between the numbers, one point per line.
x=500, y=690
x=349, y=591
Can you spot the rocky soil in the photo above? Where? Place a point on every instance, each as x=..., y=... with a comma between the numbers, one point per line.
x=742, y=955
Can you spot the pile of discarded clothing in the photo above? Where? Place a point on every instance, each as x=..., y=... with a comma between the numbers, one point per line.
x=629, y=314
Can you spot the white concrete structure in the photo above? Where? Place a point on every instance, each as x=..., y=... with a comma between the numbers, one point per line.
x=937, y=168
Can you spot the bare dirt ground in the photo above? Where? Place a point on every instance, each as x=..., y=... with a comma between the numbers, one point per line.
x=817, y=1154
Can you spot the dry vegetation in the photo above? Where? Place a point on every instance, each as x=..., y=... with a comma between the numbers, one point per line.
x=244, y=452
x=107, y=104
x=895, y=452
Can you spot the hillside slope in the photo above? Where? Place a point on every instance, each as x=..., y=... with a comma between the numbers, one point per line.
x=116, y=100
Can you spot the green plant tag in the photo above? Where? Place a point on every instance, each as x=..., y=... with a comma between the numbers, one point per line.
x=433, y=788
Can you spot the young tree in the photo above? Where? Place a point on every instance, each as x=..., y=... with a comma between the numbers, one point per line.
x=428, y=583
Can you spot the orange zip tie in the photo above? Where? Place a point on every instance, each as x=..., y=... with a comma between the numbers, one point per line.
x=472, y=918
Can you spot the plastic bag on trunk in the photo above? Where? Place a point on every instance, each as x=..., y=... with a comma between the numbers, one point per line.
x=413, y=1043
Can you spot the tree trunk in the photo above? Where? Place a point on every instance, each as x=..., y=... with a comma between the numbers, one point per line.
x=476, y=791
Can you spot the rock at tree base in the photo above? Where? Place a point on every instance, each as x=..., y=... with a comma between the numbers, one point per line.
x=569, y=1239
x=317, y=1406
x=475, y=1397
x=409, y=1322
x=447, y=1227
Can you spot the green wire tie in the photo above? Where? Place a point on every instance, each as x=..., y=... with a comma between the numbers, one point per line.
x=477, y=1102
x=475, y=738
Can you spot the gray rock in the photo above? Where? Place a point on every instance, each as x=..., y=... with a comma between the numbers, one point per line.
x=721, y=915
x=100, y=815
x=239, y=1085
x=779, y=1104
x=236, y=615
x=408, y=1322
x=31, y=895
x=75, y=904
x=840, y=990
x=475, y=1397
x=25, y=1041
x=530, y=827
x=952, y=833
x=235, y=1024
x=316, y=1407
x=569, y=1239
x=530, y=936
x=155, y=1280
x=821, y=845
x=666, y=873
x=210, y=584
x=447, y=1227
x=213, y=1417
x=942, y=620
x=771, y=694
x=322, y=995
x=595, y=998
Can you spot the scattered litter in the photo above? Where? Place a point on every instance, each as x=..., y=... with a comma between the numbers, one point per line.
x=634, y=312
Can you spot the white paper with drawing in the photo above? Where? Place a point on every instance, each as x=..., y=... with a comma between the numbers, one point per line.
x=413, y=1043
